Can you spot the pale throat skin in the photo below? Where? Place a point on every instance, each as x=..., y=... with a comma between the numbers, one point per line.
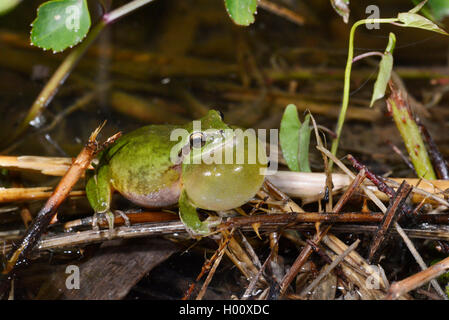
x=139, y=166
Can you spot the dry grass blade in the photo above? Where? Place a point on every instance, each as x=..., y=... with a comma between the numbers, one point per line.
x=354, y=259
x=431, y=234
x=242, y=260
x=389, y=218
x=419, y=259
x=217, y=259
x=47, y=213
x=29, y=194
x=210, y=275
x=282, y=11
x=80, y=238
x=329, y=268
x=307, y=250
x=398, y=228
x=369, y=280
x=247, y=294
x=400, y=288
x=431, y=189
x=307, y=186
x=46, y=165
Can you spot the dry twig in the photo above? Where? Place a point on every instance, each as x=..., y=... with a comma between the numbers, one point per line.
x=397, y=289
x=329, y=268
x=46, y=214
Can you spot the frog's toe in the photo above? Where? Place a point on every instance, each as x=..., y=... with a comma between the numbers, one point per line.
x=189, y=217
x=108, y=215
x=205, y=228
x=110, y=218
x=124, y=216
x=95, y=225
x=212, y=221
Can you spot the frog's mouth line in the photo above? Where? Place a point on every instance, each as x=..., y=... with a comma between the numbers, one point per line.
x=222, y=147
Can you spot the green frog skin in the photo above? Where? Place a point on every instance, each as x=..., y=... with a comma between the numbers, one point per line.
x=142, y=167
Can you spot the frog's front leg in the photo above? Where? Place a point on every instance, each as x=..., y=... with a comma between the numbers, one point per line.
x=189, y=217
x=99, y=193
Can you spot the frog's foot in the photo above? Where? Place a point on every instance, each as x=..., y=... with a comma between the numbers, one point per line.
x=209, y=225
x=95, y=225
x=109, y=216
x=190, y=219
x=203, y=228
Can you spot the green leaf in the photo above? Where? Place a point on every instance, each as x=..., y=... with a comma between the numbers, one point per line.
x=60, y=24
x=295, y=139
x=289, y=136
x=8, y=5
x=241, y=11
x=342, y=8
x=385, y=67
x=439, y=8
x=435, y=10
x=414, y=20
x=391, y=43
x=304, y=142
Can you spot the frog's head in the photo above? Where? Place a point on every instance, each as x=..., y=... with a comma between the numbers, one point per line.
x=205, y=137
x=213, y=120
x=218, y=174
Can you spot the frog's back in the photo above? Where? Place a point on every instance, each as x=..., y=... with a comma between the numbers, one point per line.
x=141, y=169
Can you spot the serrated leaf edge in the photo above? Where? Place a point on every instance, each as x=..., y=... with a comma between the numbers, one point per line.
x=49, y=48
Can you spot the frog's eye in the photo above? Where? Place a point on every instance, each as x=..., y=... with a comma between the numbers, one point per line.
x=221, y=114
x=197, y=140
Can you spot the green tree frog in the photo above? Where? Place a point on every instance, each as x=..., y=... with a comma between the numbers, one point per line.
x=196, y=165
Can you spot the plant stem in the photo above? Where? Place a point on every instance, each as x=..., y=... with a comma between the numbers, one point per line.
x=411, y=135
x=123, y=10
x=345, y=103
x=58, y=78
x=64, y=69
x=366, y=55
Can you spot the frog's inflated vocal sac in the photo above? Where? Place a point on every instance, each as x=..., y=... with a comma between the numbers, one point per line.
x=153, y=170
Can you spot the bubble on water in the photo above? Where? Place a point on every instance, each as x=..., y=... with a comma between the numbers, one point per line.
x=38, y=121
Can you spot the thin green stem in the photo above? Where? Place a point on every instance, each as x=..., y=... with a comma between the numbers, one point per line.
x=347, y=79
x=366, y=55
x=57, y=79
